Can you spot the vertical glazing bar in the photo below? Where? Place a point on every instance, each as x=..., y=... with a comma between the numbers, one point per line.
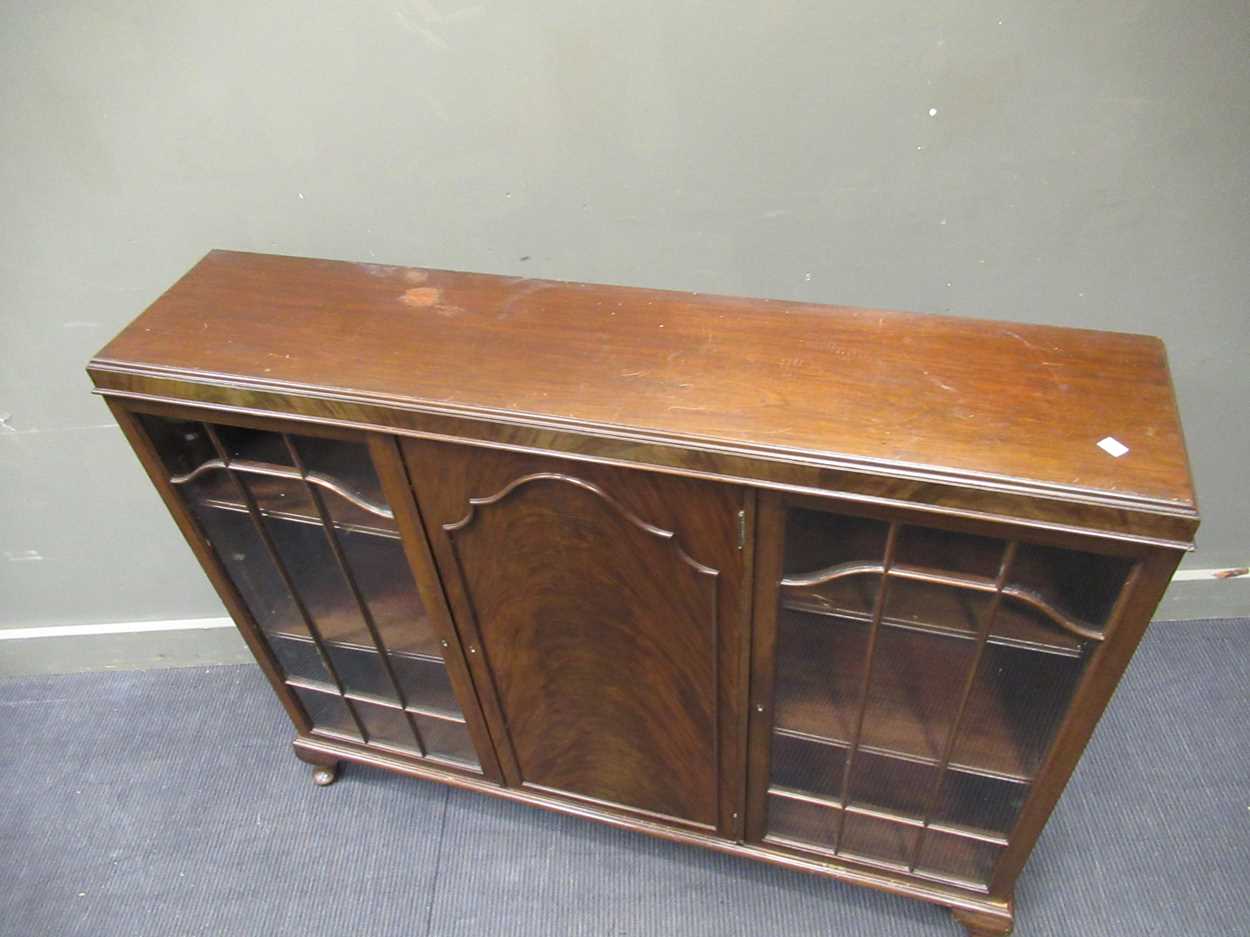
x=341, y=559
x=258, y=521
x=878, y=609
x=952, y=734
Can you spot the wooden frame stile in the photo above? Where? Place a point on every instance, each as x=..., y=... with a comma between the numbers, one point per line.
x=733, y=685
x=397, y=487
x=742, y=704
x=769, y=541
x=466, y=624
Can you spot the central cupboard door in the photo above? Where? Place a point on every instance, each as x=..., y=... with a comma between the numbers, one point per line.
x=603, y=614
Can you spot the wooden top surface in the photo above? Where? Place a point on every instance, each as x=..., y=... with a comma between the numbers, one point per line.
x=978, y=399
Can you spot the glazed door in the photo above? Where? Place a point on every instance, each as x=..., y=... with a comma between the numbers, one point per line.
x=910, y=680
x=603, y=611
x=319, y=543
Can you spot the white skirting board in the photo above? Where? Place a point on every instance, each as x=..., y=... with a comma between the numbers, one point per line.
x=123, y=645
x=1216, y=575
x=116, y=627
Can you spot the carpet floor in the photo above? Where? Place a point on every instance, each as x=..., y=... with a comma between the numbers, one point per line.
x=164, y=803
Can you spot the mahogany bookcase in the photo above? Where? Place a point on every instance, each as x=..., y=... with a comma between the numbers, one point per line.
x=843, y=590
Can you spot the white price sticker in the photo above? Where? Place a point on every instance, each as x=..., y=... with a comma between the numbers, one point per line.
x=1112, y=446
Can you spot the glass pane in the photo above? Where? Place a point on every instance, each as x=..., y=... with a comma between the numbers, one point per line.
x=386, y=727
x=424, y=683
x=914, y=692
x=318, y=580
x=445, y=739
x=299, y=659
x=276, y=495
x=958, y=858
x=327, y=712
x=238, y=546
x=929, y=605
x=253, y=445
x=382, y=575
x=347, y=468
x=212, y=488
x=979, y=803
x=890, y=784
x=361, y=671
x=803, y=822
x=1082, y=585
x=815, y=825
x=948, y=551
x=182, y=445
x=820, y=661
x=851, y=596
x=1018, y=622
x=817, y=540
x=1017, y=702
x=807, y=766
x=877, y=839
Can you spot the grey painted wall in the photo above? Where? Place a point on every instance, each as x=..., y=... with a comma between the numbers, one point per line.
x=1069, y=163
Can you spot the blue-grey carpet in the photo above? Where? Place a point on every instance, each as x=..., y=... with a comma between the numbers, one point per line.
x=164, y=803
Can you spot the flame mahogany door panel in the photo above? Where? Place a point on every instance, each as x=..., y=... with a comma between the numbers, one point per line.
x=604, y=615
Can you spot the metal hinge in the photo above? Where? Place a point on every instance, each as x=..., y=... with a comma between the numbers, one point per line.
x=742, y=529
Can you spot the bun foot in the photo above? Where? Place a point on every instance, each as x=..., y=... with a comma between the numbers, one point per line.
x=325, y=766
x=983, y=924
x=325, y=775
